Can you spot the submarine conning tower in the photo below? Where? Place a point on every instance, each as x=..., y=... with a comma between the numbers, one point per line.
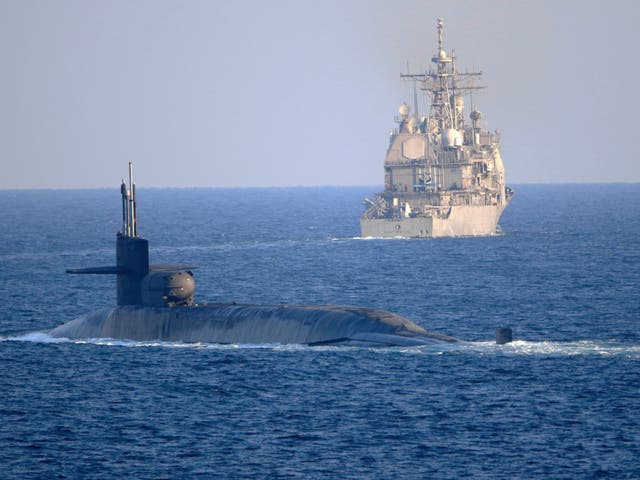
x=139, y=283
x=132, y=251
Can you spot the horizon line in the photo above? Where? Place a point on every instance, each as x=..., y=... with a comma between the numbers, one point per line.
x=273, y=187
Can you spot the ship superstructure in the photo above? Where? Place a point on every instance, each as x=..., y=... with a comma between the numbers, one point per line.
x=443, y=174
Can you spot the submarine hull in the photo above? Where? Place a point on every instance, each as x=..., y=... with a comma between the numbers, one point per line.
x=252, y=324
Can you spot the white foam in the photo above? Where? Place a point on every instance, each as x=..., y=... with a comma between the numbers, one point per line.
x=382, y=238
x=42, y=337
x=527, y=348
x=519, y=347
x=581, y=347
x=36, y=337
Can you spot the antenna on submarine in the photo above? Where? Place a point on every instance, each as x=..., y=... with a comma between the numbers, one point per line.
x=128, y=192
x=134, y=218
x=123, y=192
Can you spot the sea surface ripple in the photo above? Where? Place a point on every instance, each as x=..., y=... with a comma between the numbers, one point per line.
x=560, y=402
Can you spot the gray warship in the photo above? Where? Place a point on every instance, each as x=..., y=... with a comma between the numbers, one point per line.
x=443, y=176
x=156, y=302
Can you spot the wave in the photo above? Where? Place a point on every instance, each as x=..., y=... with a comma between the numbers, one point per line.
x=400, y=237
x=545, y=348
x=516, y=348
x=580, y=347
x=343, y=239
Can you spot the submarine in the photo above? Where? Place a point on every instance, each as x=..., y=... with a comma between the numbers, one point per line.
x=156, y=303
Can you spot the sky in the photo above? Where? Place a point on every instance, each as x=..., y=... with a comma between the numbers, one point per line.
x=303, y=92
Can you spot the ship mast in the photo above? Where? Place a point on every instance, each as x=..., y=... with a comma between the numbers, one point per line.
x=446, y=88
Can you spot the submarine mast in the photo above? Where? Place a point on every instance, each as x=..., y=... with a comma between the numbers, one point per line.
x=129, y=218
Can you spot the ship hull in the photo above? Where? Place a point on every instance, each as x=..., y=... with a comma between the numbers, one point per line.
x=461, y=221
x=252, y=324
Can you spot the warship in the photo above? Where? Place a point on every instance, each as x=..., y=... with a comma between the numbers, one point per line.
x=156, y=303
x=444, y=177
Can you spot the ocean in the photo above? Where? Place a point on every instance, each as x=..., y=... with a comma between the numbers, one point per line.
x=561, y=402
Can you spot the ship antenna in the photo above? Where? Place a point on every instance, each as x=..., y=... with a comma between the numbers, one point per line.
x=454, y=75
x=440, y=35
x=415, y=98
x=415, y=92
x=471, y=94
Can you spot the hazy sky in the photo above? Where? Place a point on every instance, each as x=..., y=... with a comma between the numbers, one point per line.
x=274, y=93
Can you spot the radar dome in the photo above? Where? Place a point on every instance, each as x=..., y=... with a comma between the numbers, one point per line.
x=404, y=109
x=451, y=138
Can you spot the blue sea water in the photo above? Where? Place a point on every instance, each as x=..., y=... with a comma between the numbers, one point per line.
x=561, y=402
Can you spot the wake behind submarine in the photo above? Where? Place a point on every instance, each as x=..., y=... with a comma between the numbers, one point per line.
x=156, y=302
